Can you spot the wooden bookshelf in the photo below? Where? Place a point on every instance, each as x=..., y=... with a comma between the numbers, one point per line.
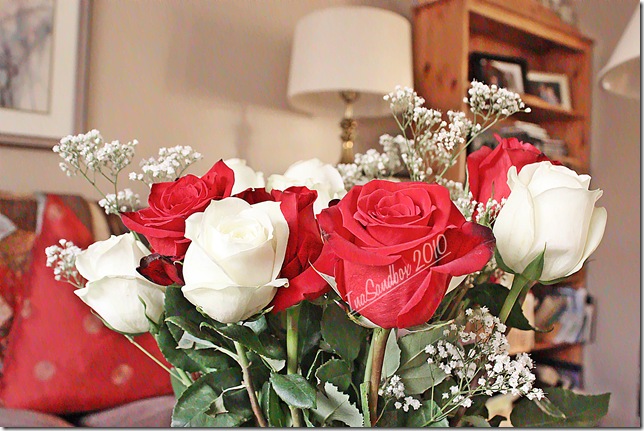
x=446, y=32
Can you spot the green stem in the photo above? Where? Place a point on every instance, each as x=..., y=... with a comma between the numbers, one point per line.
x=292, y=320
x=148, y=354
x=183, y=378
x=378, y=347
x=248, y=382
x=519, y=284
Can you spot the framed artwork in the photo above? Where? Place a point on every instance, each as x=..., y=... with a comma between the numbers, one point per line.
x=551, y=87
x=43, y=65
x=505, y=72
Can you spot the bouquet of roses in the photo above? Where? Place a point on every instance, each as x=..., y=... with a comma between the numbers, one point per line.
x=332, y=296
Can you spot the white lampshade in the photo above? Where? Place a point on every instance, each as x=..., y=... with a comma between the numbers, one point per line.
x=361, y=49
x=621, y=75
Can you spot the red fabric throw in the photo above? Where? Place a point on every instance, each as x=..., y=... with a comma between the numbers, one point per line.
x=60, y=358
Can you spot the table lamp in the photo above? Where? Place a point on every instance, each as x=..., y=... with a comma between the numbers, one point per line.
x=345, y=59
x=621, y=75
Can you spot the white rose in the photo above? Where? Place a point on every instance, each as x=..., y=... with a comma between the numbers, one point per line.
x=245, y=176
x=549, y=207
x=236, y=254
x=314, y=174
x=115, y=289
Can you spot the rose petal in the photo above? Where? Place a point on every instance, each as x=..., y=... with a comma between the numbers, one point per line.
x=116, y=300
x=514, y=226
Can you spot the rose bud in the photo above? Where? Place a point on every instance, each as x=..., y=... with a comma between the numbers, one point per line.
x=114, y=288
x=549, y=208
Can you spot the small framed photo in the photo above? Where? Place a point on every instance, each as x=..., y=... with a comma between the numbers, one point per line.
x=504, y=72
x=551, y=87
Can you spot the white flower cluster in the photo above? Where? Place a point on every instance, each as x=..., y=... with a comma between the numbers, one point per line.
x=479, y=363
x=63, y=259
x=433, y=142
x=123, y=201
x=404, y=101
x=492, y=101
x=169, y=166
x=461, y=196
x=486, y=213
x=396, y=388
x=374, y=164
x=88, y=152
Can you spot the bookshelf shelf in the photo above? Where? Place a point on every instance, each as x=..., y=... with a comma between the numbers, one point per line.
x=542, y=110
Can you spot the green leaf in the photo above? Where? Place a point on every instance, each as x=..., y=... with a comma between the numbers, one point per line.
x=423, y=416
x=535, y=268
x=478, y=407
x=335, y=371
x=194, y=403
x=392, y=356
x=207, y=359
x=412, y=346
x=500, y=263
x=272, y=408
x=294, y=390
x=417, y=380
x=187, y=320
x=496, y=421
x=340, y=333
x=475, y=421
x=580, y=410
x=177, y=357
x=546, y=406
x=177, y=386
x=309, y=334
x=236, y=402
x=264, y=344
x=335, y=406
x=493, y=297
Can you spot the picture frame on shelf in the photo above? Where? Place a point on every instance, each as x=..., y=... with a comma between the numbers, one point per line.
x=42, y=92
x=550, y=87
x=505, y=72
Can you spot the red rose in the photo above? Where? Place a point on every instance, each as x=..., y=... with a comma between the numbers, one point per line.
x=161, y=270
x=163, y=223
x=487, y=169
x=397, y=246
x=304, y=244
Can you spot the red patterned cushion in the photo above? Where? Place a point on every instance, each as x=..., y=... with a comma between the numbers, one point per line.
x=60, y=358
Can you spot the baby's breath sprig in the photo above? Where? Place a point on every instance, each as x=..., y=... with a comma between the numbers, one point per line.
x=374, y=164
x=120, y=202
x=62, y=258
x=478, y=363
x=170, y=165
x=90, y=156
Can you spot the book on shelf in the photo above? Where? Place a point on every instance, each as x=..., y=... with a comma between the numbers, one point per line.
x=525, y=132
x=569, y=312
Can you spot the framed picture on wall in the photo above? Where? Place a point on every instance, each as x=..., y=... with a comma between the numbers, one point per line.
x=551, y=87
x=43, y=59
x=505, y=72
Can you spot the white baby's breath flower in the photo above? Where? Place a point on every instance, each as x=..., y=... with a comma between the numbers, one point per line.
x=170, y=164
x=62, y=258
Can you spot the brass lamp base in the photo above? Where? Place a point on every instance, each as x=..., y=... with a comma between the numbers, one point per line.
x=348, y=126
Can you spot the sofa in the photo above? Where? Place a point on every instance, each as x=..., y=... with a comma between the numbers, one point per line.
x=59, y=365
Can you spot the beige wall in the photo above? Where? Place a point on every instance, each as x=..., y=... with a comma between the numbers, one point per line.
x=612, y=362
x=213, y=74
